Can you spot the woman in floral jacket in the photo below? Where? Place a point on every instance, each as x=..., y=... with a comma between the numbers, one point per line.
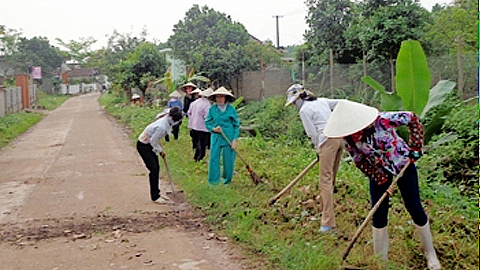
x=380, y=153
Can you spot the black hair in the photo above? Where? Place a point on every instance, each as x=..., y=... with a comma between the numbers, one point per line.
x=305, y=96
x=176, y=113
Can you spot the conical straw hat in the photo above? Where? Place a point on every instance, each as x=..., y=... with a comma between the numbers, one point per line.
x=222, y=91
x=207, y=93
x=349, y=117
x=175, y=94
x=186, y=85
x=196, y=91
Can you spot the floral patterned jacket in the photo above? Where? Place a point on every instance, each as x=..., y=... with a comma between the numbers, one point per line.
x=378, y=151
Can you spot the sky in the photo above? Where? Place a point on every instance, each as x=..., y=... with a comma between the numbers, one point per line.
x=73, y=20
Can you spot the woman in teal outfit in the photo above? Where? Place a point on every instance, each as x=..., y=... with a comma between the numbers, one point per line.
x=222, y=117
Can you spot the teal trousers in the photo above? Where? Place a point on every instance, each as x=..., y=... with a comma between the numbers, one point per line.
x=228, y=154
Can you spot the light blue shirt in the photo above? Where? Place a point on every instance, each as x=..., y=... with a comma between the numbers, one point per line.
x=155, y=131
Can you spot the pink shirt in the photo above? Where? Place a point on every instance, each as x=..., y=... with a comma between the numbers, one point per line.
x=197, y=113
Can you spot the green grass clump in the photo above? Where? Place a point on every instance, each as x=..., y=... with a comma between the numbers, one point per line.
x=12, y=125
x=50, y=101
x=15, y=124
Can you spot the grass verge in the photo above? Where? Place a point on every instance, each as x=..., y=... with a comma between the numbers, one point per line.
x=285, y=236
x=12, y=125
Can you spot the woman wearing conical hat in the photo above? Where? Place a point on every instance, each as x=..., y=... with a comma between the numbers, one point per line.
x=222, y=118
x=187, y=88
x=380, y=153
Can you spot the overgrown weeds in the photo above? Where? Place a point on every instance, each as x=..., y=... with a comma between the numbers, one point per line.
x=285, y=235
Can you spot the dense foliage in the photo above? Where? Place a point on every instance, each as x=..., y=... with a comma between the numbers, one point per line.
x=219, y=48
x=457, y=24
x=19, y=54
x=271, y=120
x=455, y=162
x=141, y=67
x=211, y=42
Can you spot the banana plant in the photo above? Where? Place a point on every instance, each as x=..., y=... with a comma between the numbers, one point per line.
x=172, y=84
x=192, y=76
x=168, y=81
x=413, y=88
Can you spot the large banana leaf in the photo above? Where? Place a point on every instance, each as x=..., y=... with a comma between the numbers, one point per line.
x=389, y=101
x=198, y=78
x=438, y=95
x=413, y=77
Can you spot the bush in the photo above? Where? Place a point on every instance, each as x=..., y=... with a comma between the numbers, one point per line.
x=273, y=120
x=456, y=161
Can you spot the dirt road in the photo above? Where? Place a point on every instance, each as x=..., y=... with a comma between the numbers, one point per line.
x=74, y=195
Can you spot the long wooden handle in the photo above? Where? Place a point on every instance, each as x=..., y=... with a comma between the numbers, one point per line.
x=293, y=182
x=231, y=146
x=168, y=173
x=372, y=211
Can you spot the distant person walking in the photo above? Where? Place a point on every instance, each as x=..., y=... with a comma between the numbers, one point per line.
x=175, y=102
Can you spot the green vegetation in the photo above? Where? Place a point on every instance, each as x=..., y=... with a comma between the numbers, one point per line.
x=285, y=235
x=50, y=101
x=15, y=124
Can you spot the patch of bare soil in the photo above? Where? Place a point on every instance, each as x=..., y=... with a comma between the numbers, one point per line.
x=74, y=228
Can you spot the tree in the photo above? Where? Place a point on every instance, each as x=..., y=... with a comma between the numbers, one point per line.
x=20, y=54
x=78, y=50
x=386, y=24
x=455, y=31
x=328, y=20
x=141, y=67
x=37, y=51
x=211, y=42
x=452, y=24
x=119, y=46
x=9, y=39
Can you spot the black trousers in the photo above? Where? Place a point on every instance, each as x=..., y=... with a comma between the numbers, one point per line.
x=151, y=161
x=408, y=186
x=200, y=143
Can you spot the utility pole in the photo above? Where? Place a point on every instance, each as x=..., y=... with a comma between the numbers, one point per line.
x=278, y=32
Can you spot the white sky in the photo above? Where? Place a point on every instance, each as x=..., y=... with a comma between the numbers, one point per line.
x=72, y=20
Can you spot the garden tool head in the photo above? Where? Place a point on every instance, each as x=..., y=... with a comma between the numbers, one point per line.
x=177, y=196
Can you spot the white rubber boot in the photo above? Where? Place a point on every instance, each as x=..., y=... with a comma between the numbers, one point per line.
x=427, y=246
x=380, y=242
